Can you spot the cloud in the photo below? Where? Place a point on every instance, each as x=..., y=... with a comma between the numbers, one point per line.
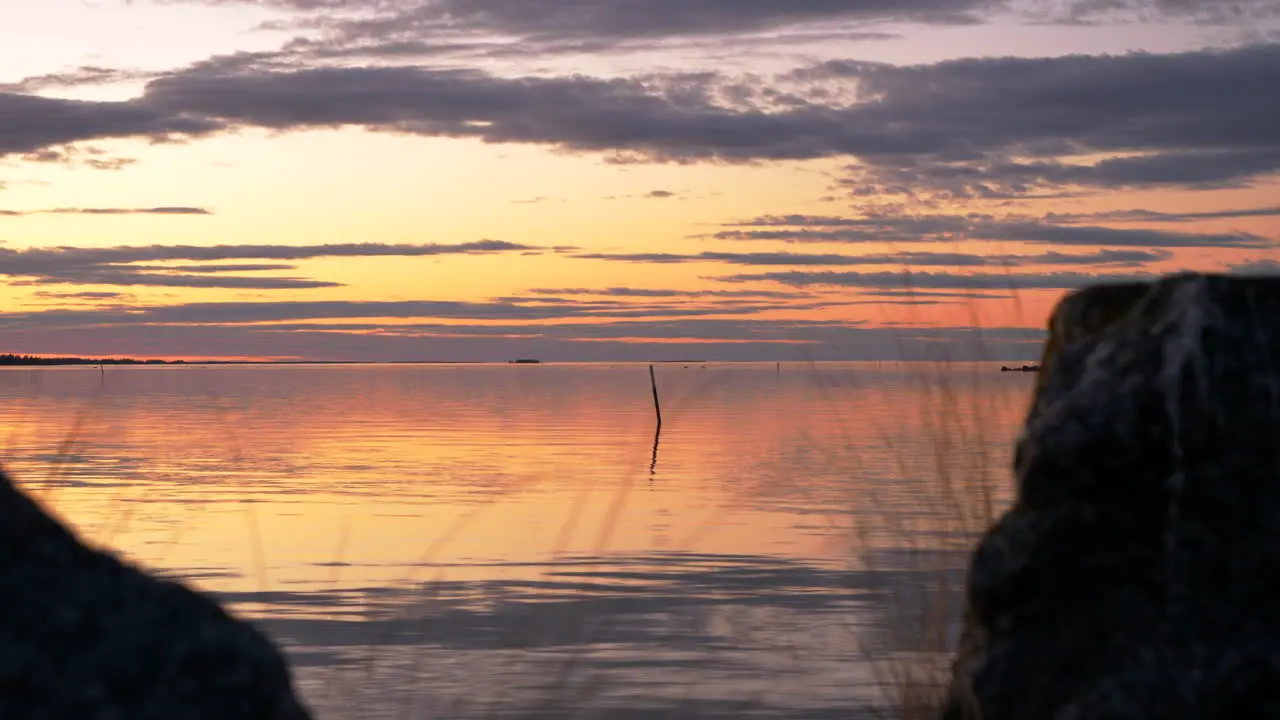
x=1011, y=126
x=228, y=267
x=1266, y=266
x=356, y=345
x=889, y=227
x=992, y=294
x=347, y=42
x=434, y=27
x=494, y=28
x=82, y=295
x=73, y=256
x=986, y=127
x=666, y=293
x=1095, y=104
x=604, y=22
x=121, y=265
x=1210, y=12
x=118, y=163
x=651, y=195
x=136, y=211
x=660, y=119
x=78, y=155
x=139, y=278
x=444, y=310
x=1100, y=257
x=1041, y=232
x=593, y=19
x=203, y=330
x=34, y=123
x=1007, y=125
x=78, y=77
x=1142, y=215
x=1000, y=179
x=941, y=280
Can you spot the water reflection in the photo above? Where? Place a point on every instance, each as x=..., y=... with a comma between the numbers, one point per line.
x=652, y=632
x=496, y=541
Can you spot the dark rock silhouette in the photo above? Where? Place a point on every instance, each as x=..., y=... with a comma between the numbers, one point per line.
x=1138, y=573
x=84, y=636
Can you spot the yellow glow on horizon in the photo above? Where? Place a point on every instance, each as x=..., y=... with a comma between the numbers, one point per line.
x=354, y=186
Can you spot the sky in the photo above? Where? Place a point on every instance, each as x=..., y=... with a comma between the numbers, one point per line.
x=481, y=180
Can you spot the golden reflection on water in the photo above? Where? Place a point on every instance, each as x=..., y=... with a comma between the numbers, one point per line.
x=311, y=479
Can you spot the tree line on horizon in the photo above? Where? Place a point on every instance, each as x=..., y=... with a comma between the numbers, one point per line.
x=16, y=359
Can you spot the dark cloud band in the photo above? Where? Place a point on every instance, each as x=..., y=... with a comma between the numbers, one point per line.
x=940, y=280
x=990, y=127
x=946, y=259
x=897, y=228
x=123, y=265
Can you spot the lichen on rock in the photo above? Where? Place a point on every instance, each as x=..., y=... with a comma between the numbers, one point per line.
x=85, y=636
x=1136, y=574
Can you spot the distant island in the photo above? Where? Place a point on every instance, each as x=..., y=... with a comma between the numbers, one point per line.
x=1024, y=368
x=524, y=361
x=11, y=359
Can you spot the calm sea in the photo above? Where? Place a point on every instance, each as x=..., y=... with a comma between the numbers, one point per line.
x=473, y=541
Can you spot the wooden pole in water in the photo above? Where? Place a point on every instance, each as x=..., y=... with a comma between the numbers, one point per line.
x=657, y=430
x=657, y=406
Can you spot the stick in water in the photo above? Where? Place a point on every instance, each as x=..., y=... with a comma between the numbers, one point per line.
x=657, y=407
x=657, y=431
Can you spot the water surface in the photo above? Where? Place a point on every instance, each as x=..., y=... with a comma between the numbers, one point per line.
x=503, y=541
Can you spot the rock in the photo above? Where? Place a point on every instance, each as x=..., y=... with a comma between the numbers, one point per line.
x=84, y=636
x=1137, y=574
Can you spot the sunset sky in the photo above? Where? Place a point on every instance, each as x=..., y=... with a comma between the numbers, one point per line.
x=616, y=179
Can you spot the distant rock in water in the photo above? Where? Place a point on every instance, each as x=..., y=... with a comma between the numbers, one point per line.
x=84, y=636
x=1138, y=573
x=1023, y=368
